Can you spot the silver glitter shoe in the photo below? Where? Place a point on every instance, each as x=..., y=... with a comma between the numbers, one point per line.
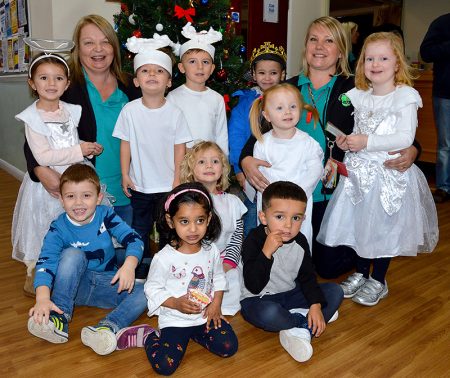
x=371, y=292
x=352, y=284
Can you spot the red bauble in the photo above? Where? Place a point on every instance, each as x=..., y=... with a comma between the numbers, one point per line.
x=221, y=75
x=137, y=34
x=124, y=8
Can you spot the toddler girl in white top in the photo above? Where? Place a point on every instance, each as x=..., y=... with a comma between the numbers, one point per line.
x=206, y=163
x=293, y=155
x=186, y=282
x=380, y=212
x=51, y=132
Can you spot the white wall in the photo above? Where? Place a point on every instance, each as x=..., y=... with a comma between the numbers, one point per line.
x=48, y=19
x=301, y=13
x=417, y=16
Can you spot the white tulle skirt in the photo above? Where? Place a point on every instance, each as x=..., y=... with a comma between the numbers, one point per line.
x=34, y=211
x=373, y=233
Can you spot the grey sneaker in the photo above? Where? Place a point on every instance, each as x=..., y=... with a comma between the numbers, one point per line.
x=100, y=338
x=352, y=284
x=371, y=292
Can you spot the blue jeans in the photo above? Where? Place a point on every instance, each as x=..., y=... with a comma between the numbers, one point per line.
x=271, y=312
x=145, y=210
x=250, y=216
x=441, y=108
x=125, y=212
x=76, y=285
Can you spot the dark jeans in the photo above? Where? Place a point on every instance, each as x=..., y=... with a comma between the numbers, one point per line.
x=330, y=262
x=250, y=216
x=271, y=312
x=145, y=209
x=166, y=352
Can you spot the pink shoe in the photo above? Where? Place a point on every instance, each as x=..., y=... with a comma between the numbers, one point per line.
x=134, y=336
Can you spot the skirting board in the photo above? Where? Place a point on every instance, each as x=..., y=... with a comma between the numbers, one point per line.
x=12, y=170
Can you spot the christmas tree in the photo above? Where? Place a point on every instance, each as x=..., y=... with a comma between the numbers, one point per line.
x=143, y=18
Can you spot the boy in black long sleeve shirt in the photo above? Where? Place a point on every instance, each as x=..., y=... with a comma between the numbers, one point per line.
x=279, y=279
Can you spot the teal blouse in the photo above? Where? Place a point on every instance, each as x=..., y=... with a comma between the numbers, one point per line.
x=319, y=99
x=108, y=163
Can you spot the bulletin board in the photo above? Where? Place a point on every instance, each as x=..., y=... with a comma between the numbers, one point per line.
x=14, y=27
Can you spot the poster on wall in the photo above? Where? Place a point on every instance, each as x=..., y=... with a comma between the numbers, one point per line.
x=270, y=11
x=14, y=54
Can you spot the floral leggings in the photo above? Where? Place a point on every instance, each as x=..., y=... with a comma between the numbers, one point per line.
x=166, y=352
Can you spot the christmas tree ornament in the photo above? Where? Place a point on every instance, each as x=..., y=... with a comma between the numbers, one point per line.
x=242, y=49
x=221, y=75
x=187, y=13
x=131, y=19
x=159, y=27
x=204, y=2
x=137, y=33
x=124, y=8
x=226, y=54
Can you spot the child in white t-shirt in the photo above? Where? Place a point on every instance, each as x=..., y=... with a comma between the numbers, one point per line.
x=206, y=163
x=154, y=133
x=203, y=107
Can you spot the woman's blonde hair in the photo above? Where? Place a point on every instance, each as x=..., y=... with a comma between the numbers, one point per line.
x=76, y=69
x=340, y=38
x=259, y=105
x=349, y=27
x=190, y=159
x=404, y=74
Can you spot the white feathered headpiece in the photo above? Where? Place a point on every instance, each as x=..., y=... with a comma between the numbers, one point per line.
x=146, y=50
x=202, y=40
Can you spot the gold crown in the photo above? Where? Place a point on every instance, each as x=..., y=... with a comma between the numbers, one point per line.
x=268, y=48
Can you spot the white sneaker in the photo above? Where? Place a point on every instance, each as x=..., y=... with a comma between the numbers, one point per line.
x=334, y=317
x=297, y=342
x=101, y=339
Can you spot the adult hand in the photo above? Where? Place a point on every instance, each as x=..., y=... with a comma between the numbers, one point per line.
x=356, y=142
x=254, y=176
x=404, y=161
x=240, y=177
x=49, y=178
x=341, y=142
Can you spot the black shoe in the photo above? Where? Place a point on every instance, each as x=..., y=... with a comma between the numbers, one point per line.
x=141, y=271
x=441, y=196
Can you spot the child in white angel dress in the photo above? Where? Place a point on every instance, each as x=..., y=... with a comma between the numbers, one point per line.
x=51, y=132
x=380, y=212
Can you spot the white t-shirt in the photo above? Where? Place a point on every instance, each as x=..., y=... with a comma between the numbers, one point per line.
x=152, y=134
x=230, y=209
x=173, y=274
x=205, y=114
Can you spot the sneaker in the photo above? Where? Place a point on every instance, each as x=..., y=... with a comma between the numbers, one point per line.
x=101, y=339
x=334, y=317
x=352, y=284
x=371, y=292
x=135, y=336
x=297, y=342
x=141, y=272
x=56, y=330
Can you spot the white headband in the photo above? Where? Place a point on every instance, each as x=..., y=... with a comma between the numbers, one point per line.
x=49, y=46
x=146, y=50
x=202, y=40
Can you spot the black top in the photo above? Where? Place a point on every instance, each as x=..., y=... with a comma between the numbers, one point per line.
x=87, y=127
x=257, y=266
x=435, y=48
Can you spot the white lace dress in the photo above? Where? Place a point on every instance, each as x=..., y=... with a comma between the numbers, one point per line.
x=53, y=139
x=381, y=212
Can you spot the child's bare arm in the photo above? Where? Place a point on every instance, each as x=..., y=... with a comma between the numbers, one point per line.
x=179, y=152
x=182, y=304
x=125, y=160
x=125, y=274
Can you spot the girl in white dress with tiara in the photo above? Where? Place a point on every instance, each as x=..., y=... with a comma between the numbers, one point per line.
x=51, y=132
x=206, y=163
x=380, y=212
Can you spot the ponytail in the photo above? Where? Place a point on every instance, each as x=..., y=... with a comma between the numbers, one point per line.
x=256, y=118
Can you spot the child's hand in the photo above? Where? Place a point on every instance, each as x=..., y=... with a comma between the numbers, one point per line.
x=272, y=243
x=316, y=322
x=184, y=305
x=41, y=310
x=341, y=142
x=240, y=177
x=88, y=148
x=214, y=313
x=356, y=142
x=227, y=267
x=125, y=275
x=127, y=184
